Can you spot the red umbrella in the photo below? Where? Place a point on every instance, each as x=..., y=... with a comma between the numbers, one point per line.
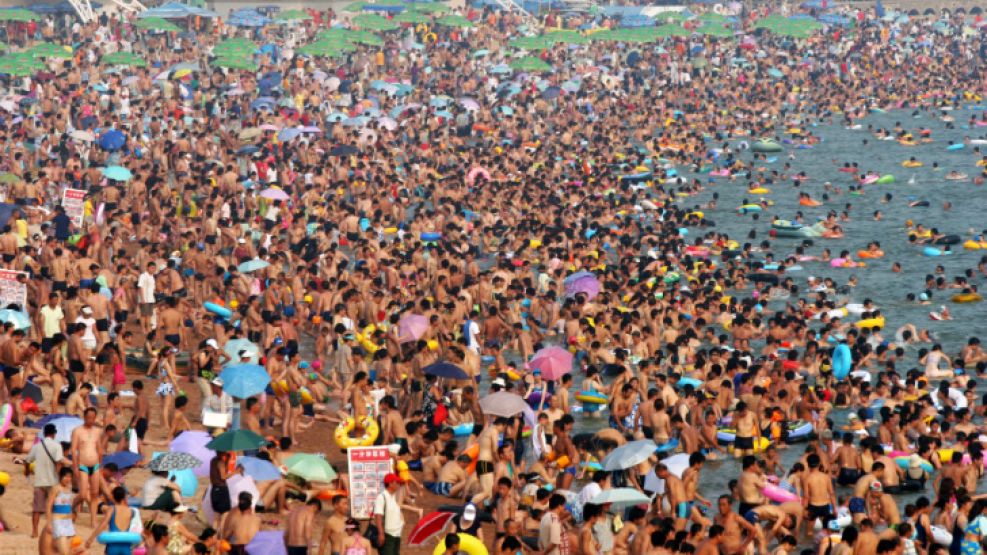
x=430, y=525
x=554, y=362
x=411, y=328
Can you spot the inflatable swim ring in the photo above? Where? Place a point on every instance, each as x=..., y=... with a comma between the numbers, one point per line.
x=430, y=236
x=884, y=180
x=467, y=544
x=218, y=310
x=842, y=361
x=464, y=429
x=871, y=323
x=779, y=494
x=111, y=538
x=912, y=164
x=966, y=298
x=342, y=433
x=870, y=254
x=592, y=398
x=6, y=414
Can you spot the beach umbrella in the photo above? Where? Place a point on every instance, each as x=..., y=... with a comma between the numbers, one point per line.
x=374, y=22
x=258, y=469
x=718, y=31
x=112, y=140
x=268, y=542
x=677, y=464
x=470, y=104
x=273, y=193
x=18, y=14
x=239, y=484
x=241, y=64
x=157, y=24
x=288, y=133
x=174, y=461
x=33, y=392
x=194, y=442
x=629, y=454
x=532, y=43
x=530, y=64
x=412, y=327
x=51, y=50
x=64, y=426
x=343, y=150
x=671, y=30
x=447, y=370
x=237, y=440
x=553, y=362
x=250, y=350
x=503, y=403
x=292, y=15
x=20, y=320
x=310, y=467
x=117, y=173
x=245, y=380
x=428, y=526
x=567, y=36
x=415, y=17
x=123, y=459
x=590, y=286
x=123, y=59
x=620, y=497
x=429, y=7
x=457, y=510
x=453, y=20
x=247, y=150
x=252, y=265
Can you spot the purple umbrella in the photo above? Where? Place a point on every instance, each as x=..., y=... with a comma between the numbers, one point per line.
x=270, y=542
x=194, y=443
x=588, y=285
x=553, y=362
x=411, y=328
x=274, y=193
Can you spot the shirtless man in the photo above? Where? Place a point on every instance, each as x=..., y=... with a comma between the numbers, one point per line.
x=392, y=424
x=711, y=546
x=101, y=312
x=751, y=483
x=847, y=460
x=485, y=458
x=452, y=477
x=747, y=431
x=170, y=325
x=334, y=531
x=882, y=509
x=819, y=499
x=733, y=526
x=675, y=489
x=86, y=453
x=784, y=520
x=241, y=524
x=300, y=527
x=564, y=447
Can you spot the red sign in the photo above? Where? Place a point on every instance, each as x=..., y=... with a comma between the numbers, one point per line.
x=368, y=466
x=74, y=202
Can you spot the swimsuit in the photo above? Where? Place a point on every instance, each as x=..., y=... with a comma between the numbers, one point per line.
x=484, y=467
x=90, y=470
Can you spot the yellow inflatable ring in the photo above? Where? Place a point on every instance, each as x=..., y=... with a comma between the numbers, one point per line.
x=967, y=298
x=370, y=431
x=871, y=323
x=467, y=544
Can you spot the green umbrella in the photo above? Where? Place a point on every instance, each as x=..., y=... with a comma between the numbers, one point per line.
x=412, y=17
x=236, y=440
x=368, y=38
x=325, y=49
x=530, y=64
x=18, y=14
x=123, y=59
x=309, y=467
x=672, y=30
x=715, y=31
x=157, y=24
x=532, y=43
x=454, y=21
x=51, y=50
x=567, y=36
x=292, y=15
x=374, y=22
x=429, y=7
x=713, y=17
x=236, y=63
x=672, y=16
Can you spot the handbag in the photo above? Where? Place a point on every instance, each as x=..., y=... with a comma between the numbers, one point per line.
x=372, y=533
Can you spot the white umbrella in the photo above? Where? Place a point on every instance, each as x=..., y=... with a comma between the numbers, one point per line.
x=620, y=496
x=502, y=403
x=628, y=454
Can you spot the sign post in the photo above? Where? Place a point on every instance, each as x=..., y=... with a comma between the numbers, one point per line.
x=368, y=466
x=74, y=202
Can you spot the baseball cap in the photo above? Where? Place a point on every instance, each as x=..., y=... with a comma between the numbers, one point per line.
x=876, y=486
x=217, y=381
x=392, y=478
x=499, y=381
x=469, y=512
x=212, y=343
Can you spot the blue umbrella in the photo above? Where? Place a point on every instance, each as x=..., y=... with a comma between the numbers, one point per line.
x=64, y=427
x=20, y=320
x=258, y=469
x=123, y=459
x=439, y=102
x=446, y=370
x=358, y=121
x=117, y=173
x=289, y=133
x=267, y=543
x=112, y=140
x=252, y=265
x=336, y=117
x=264, y=102
x=245, y=380
x=249, y=149
x=40, y=423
